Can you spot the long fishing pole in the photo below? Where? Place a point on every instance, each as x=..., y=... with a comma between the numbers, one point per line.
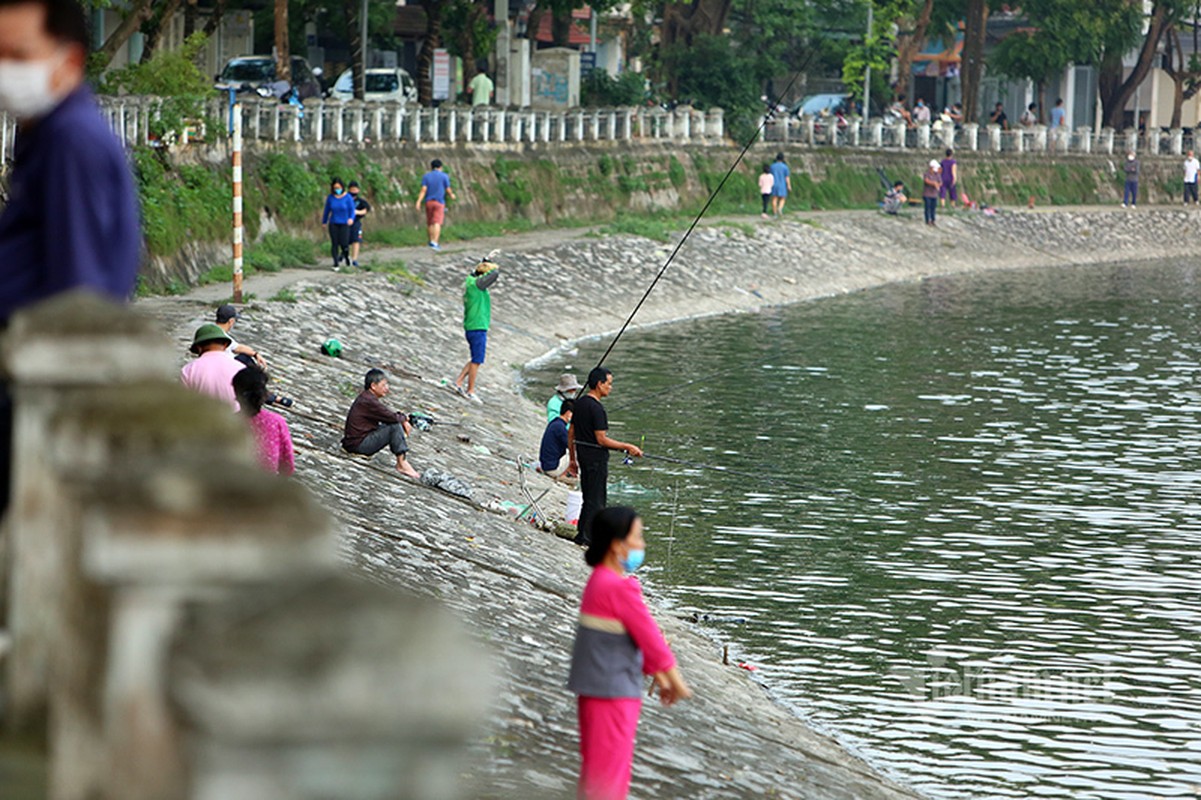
x=696, y=221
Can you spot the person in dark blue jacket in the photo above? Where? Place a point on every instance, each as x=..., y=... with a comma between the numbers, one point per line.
x=71, y=220
x=339, y=215
x=552, y=454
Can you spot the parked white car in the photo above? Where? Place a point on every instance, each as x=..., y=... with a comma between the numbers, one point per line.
x=384, y=84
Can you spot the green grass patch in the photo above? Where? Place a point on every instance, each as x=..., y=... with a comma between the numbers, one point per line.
x=284, y=295
x=277, y=251
x=659, y=227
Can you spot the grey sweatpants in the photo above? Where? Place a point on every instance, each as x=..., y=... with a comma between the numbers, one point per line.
x=392, y=436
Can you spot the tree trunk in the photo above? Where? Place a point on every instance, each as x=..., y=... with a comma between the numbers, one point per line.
x=466, y=42
x=425, y=58
x=214, y=20
x=283, y=55
x=681, y=23
x=972, y=69
x=138, y=14
x=354, y=38
x=1115, y=92
x=155, y=34
x=560, y=27
x=910, y=44
x=189, y=18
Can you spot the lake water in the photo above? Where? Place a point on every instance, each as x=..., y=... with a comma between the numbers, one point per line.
x=960, y=523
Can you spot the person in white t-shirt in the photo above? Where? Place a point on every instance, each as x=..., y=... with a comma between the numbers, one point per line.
x=1191, y=167
x=766, y=182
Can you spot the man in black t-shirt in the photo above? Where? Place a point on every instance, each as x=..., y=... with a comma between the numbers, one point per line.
x=999, y=117
x=589, y=445
x=361, y=209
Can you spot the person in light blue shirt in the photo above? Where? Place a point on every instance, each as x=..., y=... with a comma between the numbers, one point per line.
x=1058, y=114
x=781, y=184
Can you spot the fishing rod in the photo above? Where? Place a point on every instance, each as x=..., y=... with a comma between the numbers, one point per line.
x=770, y=115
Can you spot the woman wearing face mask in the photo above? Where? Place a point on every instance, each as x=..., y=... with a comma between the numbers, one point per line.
x=617, y=642
x=339, y=215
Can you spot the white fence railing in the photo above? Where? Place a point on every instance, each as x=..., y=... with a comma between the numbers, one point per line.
x=876, y=134
x=330, y=121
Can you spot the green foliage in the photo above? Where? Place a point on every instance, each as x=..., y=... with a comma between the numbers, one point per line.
x=291, y=189
x=284, y=295
x=513, y=185
x=605, y=165
x=598, y=88
x=713, y=72
x=191, y=203
x=277, y=251
x=173, y=76
x=675, y=172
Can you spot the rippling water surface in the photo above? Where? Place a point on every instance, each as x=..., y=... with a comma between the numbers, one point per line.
x=960, y=523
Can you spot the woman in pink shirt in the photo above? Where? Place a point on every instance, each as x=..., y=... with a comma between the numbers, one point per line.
x=272, y=438
x=617, y=642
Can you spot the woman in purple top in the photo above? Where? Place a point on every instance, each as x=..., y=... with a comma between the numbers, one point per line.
x=617, y=643
x=273, y=440
x=339, y=215
x=950, y=180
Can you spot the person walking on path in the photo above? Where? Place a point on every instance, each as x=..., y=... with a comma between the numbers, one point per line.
x=213, y=372
x=338, y=214
x=766, y=181
x=932, y=184
x=589, y=444
x=272, y=439
x=71, y=219
x=566, y=390
x=477, y=319
x=481, y=89
x=781, y=185
x=371, y=426
x=1130, y=190
x=616, y=643
x=435, y=189
x=949, y=171
x=1191, y=167
x=361, y=209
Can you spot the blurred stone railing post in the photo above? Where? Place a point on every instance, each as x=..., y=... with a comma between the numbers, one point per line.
x=181, y=624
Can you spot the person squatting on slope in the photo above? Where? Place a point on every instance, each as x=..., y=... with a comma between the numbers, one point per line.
x=371, y=426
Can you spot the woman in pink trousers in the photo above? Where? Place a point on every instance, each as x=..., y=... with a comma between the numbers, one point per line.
x=617, y=642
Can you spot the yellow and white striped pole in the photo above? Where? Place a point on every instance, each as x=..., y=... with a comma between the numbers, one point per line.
x=237, y=182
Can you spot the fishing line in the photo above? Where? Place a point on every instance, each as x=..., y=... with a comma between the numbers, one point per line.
x=696, y=221
x=675, y=388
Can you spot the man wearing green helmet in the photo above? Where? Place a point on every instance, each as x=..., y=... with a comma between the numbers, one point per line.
x=213, y=372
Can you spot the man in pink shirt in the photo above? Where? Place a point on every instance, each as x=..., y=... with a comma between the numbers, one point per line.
x=212, y=373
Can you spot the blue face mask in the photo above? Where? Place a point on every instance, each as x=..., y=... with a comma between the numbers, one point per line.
x=337, y=191
x=633, y=560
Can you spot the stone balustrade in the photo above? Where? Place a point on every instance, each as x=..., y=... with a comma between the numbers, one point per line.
x=181, y=624
x=876, y=134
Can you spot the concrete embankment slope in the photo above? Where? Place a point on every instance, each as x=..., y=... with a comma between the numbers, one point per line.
x=518, y=586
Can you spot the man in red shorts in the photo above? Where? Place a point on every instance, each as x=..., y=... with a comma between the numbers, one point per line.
x=435, y=188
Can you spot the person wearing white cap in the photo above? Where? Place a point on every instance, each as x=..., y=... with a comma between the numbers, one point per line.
x=931, y=182
x=568, y=388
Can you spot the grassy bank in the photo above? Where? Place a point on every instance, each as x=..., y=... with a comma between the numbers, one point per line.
x=649, y=191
